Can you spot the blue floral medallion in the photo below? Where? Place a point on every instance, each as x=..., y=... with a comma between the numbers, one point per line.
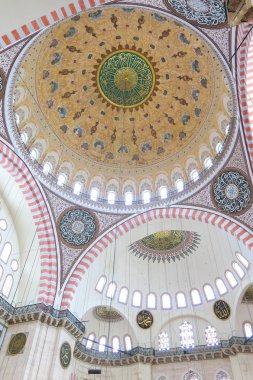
x=232, y=192
x=77, y=227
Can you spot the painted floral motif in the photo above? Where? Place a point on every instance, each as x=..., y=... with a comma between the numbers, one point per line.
x=204, y=12
x=77, y=227
x=232, y=192
x=166, y=245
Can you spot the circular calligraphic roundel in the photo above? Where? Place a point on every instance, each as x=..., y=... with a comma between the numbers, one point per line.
x=144, y=319
x=65, y=354
x=126, y=78
x=17, y=343
x=221, y=309
x=232, y=192
x=77, y=227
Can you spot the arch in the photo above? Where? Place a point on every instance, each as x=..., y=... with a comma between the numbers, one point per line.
x=40, y=213
x=175, y=212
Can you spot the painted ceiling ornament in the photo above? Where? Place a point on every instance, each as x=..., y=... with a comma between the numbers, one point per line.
x=107, y=314
x=166, y=246
x=2, y=84
x=203, y=12
x=17, y=343
x=126, y=78
x=221, y=309
x=232, y=192
x=77, y=227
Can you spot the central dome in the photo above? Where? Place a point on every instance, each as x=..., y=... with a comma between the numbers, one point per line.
x=126, y=78
x=122, y=94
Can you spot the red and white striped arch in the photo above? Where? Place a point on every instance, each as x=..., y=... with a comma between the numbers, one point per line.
x=174, y=212
x=244, y=71
x=48, y=252
x=47, y=20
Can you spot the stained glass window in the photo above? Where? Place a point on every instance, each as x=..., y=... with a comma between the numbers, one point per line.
x=191, y=375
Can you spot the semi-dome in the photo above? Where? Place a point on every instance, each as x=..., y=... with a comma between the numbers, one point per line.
x=109, y=99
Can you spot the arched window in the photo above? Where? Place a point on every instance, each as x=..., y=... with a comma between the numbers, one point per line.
x=1, y=271
x=163, y=341
x=128, y=343
x=179, y=184
x=222, y=375
x=128, y=198
x=242, y=260
x=221, y=286
x=186, y=335
x=163, y=192
x=248, y=330
x=47, y=168
x=231, y=279
x=181, y=300
x=101, y=284
x=111, y=290
x=90, y=341
x=14, y=265
x=211, y=336
x=24, y=137
x=166, y=301
x=194, y=175
x=111, y=197
x=61, y=180
x=191, y=375
x=219, y=148
x=7, y=285
x=196, y=300
x=123, y=295
x=6, y=252
x=227, y=129
x=240, y=272
x=146, y=195
x=151, y=301
x=208, y=163
x=94, y=193
x=34, y=154
x=102, y=343
x=78, y=186
x=3, y=224
x=209, y=293
x=115, y=344
x=137, y=298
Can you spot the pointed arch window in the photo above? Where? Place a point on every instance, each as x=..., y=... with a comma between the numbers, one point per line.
x=137, y=299
x=219, y=148
x=123, y=295
x=94, y=194
x=194, y=175
x=191, y=375
x=101, y=284
x=151, y=301
x=221, y=286
x=62, y=179
x=242, y=260
x=181, y=300
x=208, y=163
x=211, y=336
x=111, y=197
x=34, y=154
x=90, y=341
x=78, y=186
x=111, y=290
x=196, y=299
x=222, y=375
x=231, y=279
x=163, y=341
x=128, y=343
x=115, y=344
x=248, y=330
x=47, y=168
x=209, y=293
x=24, y=137
x=128, y=198
x=179, y=185
x=163, y=192
x=166, y=301
x=238, y=269
x=102, y=343
x=186, y=335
